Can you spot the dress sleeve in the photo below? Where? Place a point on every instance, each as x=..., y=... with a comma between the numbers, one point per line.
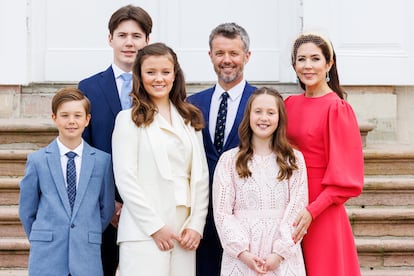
x=344, y=176
x=233, y=239
x=298, y=200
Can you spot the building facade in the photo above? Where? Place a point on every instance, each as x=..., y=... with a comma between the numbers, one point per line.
x=61, y=42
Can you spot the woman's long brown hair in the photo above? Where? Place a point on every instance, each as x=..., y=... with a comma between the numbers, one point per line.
x=143, y=109
x=285, y=156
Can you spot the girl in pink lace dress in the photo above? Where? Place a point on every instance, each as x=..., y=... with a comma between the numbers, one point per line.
x=258, y=190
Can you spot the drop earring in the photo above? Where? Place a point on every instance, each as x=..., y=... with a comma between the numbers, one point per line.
x=327, y=77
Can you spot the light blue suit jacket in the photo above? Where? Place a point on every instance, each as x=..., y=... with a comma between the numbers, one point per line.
x=62, y=242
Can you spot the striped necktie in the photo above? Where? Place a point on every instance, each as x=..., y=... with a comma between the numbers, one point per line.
x=71, y=178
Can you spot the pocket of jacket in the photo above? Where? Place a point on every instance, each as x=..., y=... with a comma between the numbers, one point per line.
x=38, y=235
x=95, y=237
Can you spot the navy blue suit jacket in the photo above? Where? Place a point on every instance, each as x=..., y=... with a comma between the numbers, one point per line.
x=101, y=90
x=203, y=101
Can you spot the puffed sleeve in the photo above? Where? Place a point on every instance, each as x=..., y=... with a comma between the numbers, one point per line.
x=344, y=176
x=232, y=237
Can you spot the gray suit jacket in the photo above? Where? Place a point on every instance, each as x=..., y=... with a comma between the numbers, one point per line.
x=62, y=242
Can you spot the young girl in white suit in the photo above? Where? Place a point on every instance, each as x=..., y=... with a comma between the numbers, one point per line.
x=160, y=170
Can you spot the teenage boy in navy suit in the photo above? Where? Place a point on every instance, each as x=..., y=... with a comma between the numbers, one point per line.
x=64, y=228
x=129, y=30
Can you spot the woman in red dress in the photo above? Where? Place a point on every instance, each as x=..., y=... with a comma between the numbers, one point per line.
x=323, y=126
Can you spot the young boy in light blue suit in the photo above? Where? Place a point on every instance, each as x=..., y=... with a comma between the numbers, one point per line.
x=66, y=202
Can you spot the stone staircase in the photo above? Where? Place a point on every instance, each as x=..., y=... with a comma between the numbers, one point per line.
x=382, y=217
x=18, y=137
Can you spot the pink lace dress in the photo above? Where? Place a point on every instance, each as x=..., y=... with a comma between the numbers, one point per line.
x=257, y=213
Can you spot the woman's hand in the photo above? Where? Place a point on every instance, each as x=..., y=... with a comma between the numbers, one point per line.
x=164, y=238
x=301, y=223
x=190, y=239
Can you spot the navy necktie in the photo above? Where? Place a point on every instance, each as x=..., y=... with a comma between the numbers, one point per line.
x=71, y=178
x=221, y=122
x=126, y=90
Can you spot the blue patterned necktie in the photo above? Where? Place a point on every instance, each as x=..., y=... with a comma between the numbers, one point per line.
x=71, y=178
x=126, y=90
x=221, y=122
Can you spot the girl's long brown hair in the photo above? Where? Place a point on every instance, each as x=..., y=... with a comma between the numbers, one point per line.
x=285, y=156
x=143, y=109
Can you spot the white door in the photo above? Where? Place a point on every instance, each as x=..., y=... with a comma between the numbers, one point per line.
x=374, y=39
x=69, y=38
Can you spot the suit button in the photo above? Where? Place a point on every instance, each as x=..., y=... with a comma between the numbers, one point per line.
x=72, y=225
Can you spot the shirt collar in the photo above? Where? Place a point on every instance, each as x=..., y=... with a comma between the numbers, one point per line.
x=234, y=92
x=118, y=71
x=63, y=149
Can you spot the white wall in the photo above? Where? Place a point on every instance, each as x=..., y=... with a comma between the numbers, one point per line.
x=60, y=41
x=14, y=57
x=373, y=39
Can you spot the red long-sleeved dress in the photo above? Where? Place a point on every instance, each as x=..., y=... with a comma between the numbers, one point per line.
x=326, y=131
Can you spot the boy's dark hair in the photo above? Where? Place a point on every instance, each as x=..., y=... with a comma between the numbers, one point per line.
x=70, y=94
x=130, y=12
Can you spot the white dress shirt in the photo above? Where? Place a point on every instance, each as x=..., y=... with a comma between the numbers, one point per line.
x=119, y=81
x=64, y=159
x=233, y=101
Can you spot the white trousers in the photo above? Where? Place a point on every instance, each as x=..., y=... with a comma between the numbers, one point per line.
x=138, y=258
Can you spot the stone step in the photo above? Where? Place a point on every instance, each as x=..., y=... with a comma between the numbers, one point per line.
x=10, y=225
x=386, y=190
x=385, y=252
x=382, y=221
x=14, y=272
x=376, y=255
x=405, y=271
x=14, y=252
x=389, y=160
x=377, y=162
x=9, y=190
x=36, y=132
x=13, y=161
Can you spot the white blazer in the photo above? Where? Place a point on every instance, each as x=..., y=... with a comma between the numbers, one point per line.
x=143, y=177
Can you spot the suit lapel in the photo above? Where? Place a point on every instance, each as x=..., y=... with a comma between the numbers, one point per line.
x=159, y=148
x=88, y=163
x=54, y=163
x=239, y=116
x=205, y=109
x=110, y=91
